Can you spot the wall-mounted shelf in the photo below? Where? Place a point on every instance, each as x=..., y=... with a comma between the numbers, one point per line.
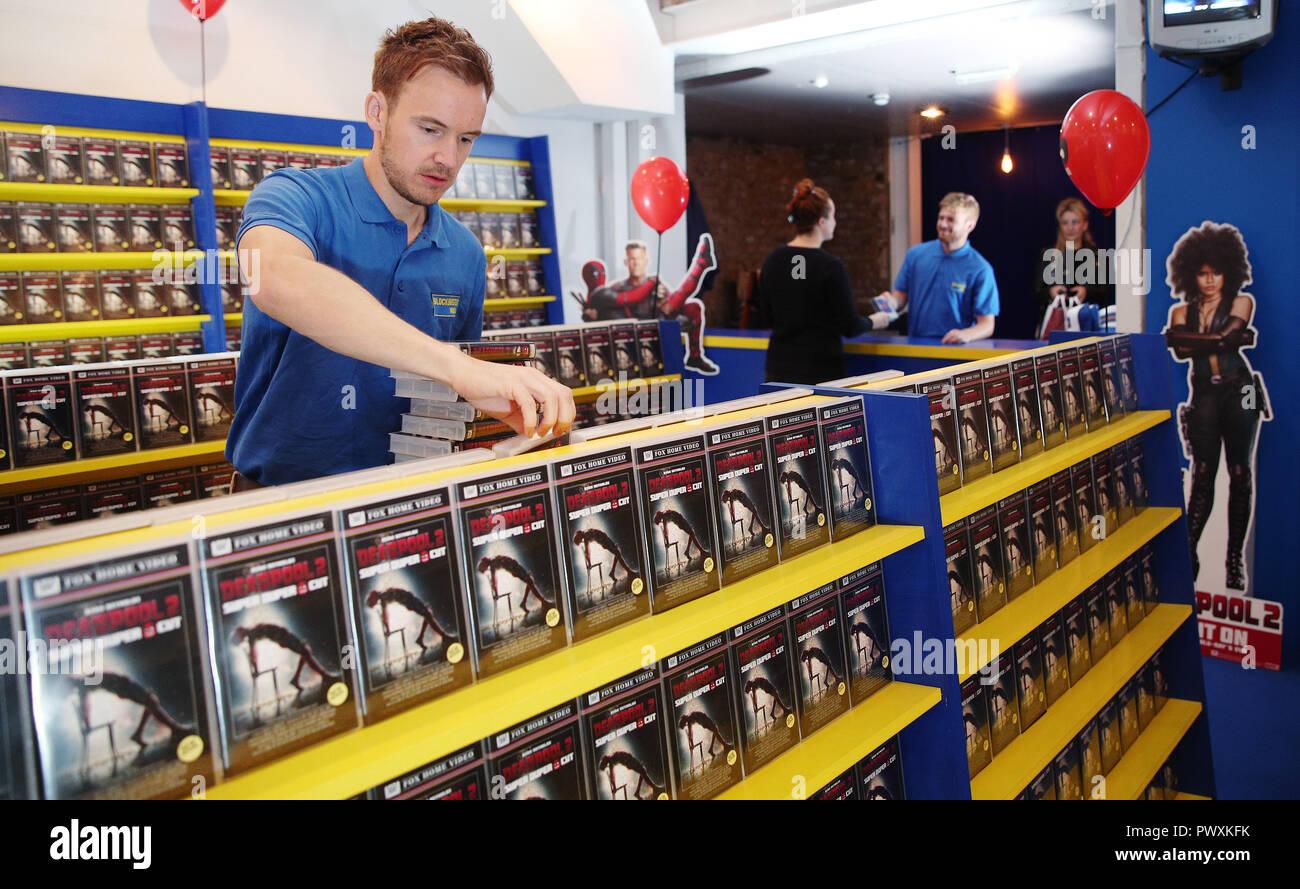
x=517, y=252
x=94, y=194
x=519, y=302
x=52, y=262
x=33, y=333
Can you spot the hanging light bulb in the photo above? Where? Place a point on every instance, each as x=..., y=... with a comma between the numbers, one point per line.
x=1007, y=165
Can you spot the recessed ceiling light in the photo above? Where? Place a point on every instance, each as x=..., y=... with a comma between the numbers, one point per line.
x=821, y=81
x=881, y=99
x=932, y=112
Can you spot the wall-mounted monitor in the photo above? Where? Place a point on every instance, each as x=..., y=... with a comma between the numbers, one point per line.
x=1210, y=27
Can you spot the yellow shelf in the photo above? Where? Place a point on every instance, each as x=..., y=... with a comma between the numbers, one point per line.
x=60, y=130
x=588, y=393
x=35, y=333
x=990, y=489
x=521, y=302
x=94, y=194
x=52, y=262
x=490, y=205
x=517, y=252
x=1026, y=756
x=365, y=758
x=74, y=470
x=819, y=759
x=1192, y=796
x=1019, y=617
x=230, y=197
x=1130, y=777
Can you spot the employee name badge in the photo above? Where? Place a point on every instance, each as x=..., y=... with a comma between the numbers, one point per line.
x=958, y=287
x=444, y=305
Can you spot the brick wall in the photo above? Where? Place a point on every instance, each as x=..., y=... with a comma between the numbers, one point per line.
x=744, y=185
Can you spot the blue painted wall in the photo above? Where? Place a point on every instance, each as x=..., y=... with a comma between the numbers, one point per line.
x=1200, y=171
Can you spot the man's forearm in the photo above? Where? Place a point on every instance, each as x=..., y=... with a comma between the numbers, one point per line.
x=982, y=329
x=325, y=305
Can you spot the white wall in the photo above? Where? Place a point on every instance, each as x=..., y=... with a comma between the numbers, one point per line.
x=313, y=58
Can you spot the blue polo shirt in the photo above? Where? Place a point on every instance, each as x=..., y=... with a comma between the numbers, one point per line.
x=945, y=290
x=301, y=410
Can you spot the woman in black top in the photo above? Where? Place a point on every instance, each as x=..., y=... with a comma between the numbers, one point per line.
x=804, y=296
x=1073, y=243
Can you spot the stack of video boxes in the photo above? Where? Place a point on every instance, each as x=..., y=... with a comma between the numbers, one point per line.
x=440, y=421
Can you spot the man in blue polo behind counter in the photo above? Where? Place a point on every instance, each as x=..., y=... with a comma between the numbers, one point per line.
x=361, y=271
x=946, y=288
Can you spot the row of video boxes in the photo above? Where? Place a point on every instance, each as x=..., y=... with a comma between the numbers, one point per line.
x=502, y=231
x=998, y=553
x=97, y=350
x=487, y=181
x=65, y=504
x=97, y=410
x=55, y=297
x=513, y=319
x=442, y=584
x=1018, y=686
x=697, y=722
x=243, y=167
x=35, y=227
x=1079, y=770
x=216, y=668
x=579, y=355
x=992, y=416
x=58, y=159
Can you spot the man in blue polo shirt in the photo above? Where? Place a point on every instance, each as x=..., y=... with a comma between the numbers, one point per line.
x=946, y=287
x=360, y=271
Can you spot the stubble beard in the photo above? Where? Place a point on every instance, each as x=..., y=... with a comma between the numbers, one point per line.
x=396, y=179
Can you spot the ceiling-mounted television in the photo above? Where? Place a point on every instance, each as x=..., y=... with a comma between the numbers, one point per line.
x=1189, y=28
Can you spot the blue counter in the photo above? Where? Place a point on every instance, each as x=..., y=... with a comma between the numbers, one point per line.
x=740, y=355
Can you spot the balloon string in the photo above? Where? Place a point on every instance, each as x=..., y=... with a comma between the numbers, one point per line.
x=659, y=257
x=203, y=58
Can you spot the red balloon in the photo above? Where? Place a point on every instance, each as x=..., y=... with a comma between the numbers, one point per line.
x=660, y=193
x=1105, y=143
x=203, y=9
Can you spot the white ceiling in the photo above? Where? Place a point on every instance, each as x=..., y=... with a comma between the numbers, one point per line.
x=910, y=49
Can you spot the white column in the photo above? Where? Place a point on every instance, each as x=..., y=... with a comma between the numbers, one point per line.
x=1130, y=215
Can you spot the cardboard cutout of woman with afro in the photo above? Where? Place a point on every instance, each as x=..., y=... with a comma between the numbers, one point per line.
x=1210, y=328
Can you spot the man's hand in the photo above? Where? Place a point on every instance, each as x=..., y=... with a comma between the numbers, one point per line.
x=957, y=335
x=515, y=395
x=1058, y=291
x=1079, y=292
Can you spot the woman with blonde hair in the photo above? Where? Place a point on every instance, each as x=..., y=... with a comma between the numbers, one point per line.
x=1072, y=237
